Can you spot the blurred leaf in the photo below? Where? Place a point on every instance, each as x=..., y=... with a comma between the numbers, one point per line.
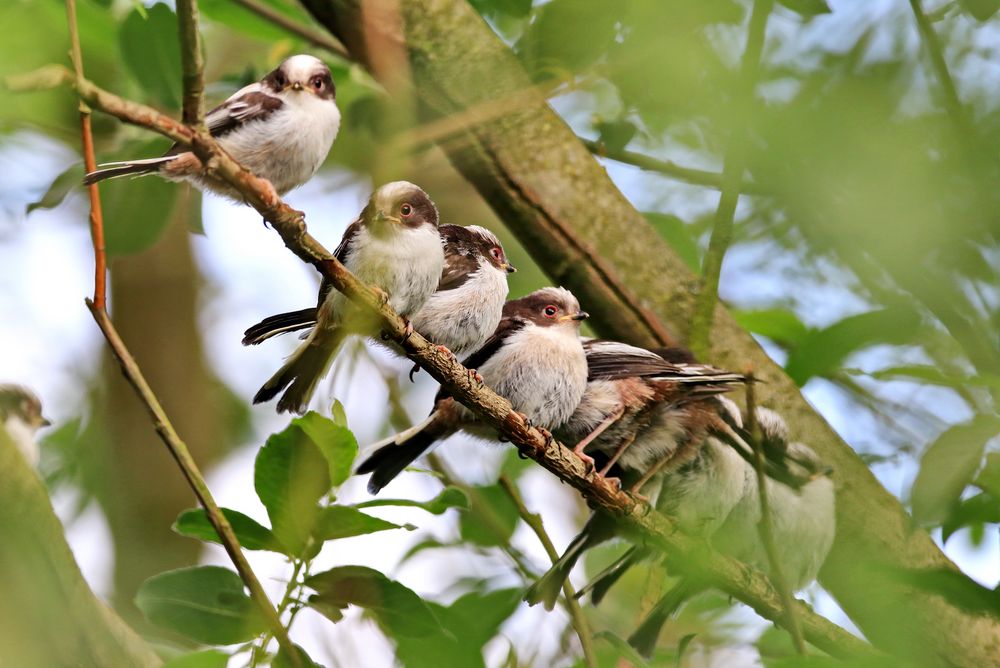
x=290, y=477
x=343, y=522
x=137, y=211
x=282, y=660
x=615, y=135
x=989, y=477
x=204, y=603
x=959, y=589
x=56, y=193
x=338, y=413
x=235, y=17
x=252, y=535
x=450, y=497
x=426, y=544
x=622, y=647
x=471, y=621
x=491, y=518
x=780, y=325
x=934, y=375
x=976, y=510
x=335, y=441
x=822, y=351
x=948, y=466
x=568, y=35
x=396, y=608
x=807, y=8
x=152, y=53
x=492, y=8
x=981, y=10
x=209, y=658
x=678, y=234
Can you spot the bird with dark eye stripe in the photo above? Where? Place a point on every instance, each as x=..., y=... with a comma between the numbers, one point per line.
x=280, y=128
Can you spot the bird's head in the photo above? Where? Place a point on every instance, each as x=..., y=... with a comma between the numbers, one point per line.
x=302, y=74
x=399, y=205
x=548, y=307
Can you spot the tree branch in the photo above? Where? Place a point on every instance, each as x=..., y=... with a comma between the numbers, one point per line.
x=732, y=177
x=192, y=63
x=314, y=37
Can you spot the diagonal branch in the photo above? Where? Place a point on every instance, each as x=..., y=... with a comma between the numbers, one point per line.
x=309, y=34
x=192, y=63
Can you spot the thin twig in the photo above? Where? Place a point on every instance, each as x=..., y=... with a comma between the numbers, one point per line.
x=309, y=34
x=192, y=63
x=765, y=527
x=90, y=164
x=577, y=618
x=697, y=177
x=726, y=574
x=732, y=177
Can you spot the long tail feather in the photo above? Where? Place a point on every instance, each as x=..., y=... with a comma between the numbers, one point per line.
x=114, y=170
x=598, y=529
x=598, y=587
x=281, y=323
x=644, y=638
x=398, y=452
x=301, y=372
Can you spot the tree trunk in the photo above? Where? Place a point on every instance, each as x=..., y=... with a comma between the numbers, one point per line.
x=550, y=191
x=48, y=614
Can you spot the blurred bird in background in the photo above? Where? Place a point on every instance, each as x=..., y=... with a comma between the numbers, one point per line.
x=21, y=414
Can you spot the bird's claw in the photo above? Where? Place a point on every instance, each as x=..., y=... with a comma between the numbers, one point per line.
x=382, y=295
x=415, y=369
x=407, y=327
x=474, y=377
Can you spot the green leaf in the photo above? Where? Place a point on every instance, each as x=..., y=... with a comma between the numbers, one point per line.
x=677, y=233
x=491, y=519
x=60, y=187
x=236, y=17
x=335, y=441
x=979, y=509
x=492, y=8
x=568, y=35
x=209, y=658
x=622, y=648
x=822, y=351
x=934, y=376
x=152, y=54
x=948, y=466
x=343, y=522
x=396, y=608
x=282, y=660
x=450, y=497
x=807, y=8
x=338, y=413
x=251, y=534
x=959, y=589
x=988, y=479
x=615, y=135
x=204, y=603
x=780, y=325
x=981, y=10
x=290, y=477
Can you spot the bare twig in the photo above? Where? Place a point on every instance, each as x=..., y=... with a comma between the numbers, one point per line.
x=697, y=177
x=192, y=63
x=765, y=527
x=309, y=34
x=732, y=177
x=90, y=164
x=578, y=619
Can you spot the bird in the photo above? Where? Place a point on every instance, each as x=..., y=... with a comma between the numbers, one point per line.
x=644, y=409
x=802, y=520
x=21, y=414
x=534, y=359
x=461, y=314
x=281, y=128
x=395, y=246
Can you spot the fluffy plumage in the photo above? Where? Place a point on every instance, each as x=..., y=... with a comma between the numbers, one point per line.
x=394, y=245
x=281, y=128
x=21, y=416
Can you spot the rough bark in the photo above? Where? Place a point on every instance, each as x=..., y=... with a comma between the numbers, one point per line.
x=48, y=614
x=531, y=169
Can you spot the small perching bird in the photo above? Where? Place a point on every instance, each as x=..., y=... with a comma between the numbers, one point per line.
x=461, y=314
x=21, y=415
x=394, y=245
x=535, y=360
x=281, y=128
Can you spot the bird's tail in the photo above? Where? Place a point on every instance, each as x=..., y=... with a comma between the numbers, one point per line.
x=603, y=581
x=114, y=170
x=281, y=323
x=598, y=529
x=394, y=454
x=301, y=372
x=644, y=638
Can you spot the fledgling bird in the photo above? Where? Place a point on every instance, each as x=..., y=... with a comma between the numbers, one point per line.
x=281, y=128
x=535, y=360
x=802, y=520
x=21, y=415
x=394, y=245
x=461, y=314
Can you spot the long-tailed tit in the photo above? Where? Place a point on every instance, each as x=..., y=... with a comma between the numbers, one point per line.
x=535, y=359
x=280, y=128
x=460, y=315
x=395, y=246
x=21, y=416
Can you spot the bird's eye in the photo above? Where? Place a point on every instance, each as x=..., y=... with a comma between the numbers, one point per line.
x=317, y=83
x=406, y=210
x=550, y=311
x=495, y=252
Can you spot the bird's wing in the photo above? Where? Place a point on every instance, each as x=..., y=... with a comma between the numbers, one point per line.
x=246, y=105
x=458, y=266
x=610, y=360
x=507, y=328
x=341, y=254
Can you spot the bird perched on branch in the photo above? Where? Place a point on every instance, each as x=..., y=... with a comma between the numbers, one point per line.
x=393, y=245
x=535, y=360
x=280, y=128
x=21, y=415
x=461, y=314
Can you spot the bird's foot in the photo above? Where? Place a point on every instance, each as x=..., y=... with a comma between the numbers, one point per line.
x=474, y=377
x=415, y=369
x=382, y=295
x=407, y=326
x=587, y=460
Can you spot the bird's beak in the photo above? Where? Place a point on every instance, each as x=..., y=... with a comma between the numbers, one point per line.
x=297, y=85
x=45, y=422
x=582, y=315
x=382, y=219
x=509, y=267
